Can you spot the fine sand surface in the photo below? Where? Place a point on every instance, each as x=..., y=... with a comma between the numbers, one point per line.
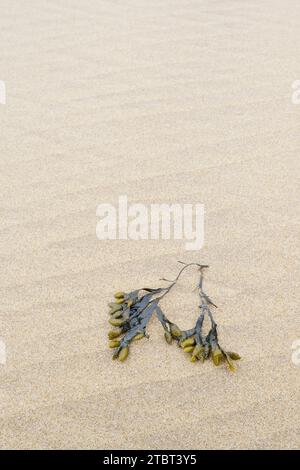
x=163, y=101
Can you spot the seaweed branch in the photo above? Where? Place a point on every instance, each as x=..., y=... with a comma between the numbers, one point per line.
x=131, y=312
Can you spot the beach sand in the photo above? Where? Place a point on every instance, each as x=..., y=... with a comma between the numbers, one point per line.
x=174, y=101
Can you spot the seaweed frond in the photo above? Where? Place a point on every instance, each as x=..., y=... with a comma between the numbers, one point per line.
x=131, y=312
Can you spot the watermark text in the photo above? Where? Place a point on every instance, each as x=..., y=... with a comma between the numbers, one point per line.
x=2, y=352
x=2, y=92
x=296, y=352
x=151, y=222
x=296, y=92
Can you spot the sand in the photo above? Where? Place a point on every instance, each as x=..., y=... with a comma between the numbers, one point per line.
x=186, y=101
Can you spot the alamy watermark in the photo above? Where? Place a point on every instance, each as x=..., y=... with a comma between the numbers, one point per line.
x=151, y=222
x=296, y=352
x=296, y=92
x=2, y=352
x=2, y=92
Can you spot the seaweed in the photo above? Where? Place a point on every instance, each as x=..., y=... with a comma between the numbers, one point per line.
x=131, y=312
